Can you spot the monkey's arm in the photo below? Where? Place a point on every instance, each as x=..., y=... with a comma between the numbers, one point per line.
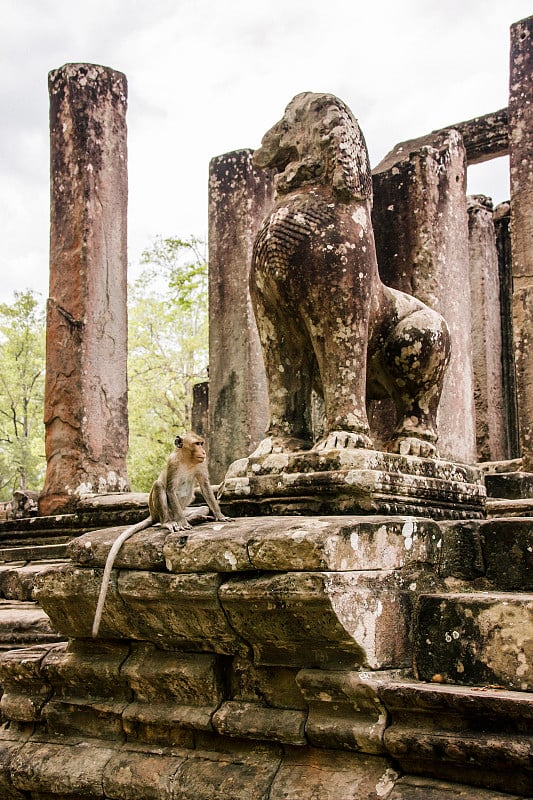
x=177, y=520
x=117, y=544
x=209, y=497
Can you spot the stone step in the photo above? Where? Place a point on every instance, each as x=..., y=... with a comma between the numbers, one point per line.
x=472, y=735
x=475, y=639
x=23, y=624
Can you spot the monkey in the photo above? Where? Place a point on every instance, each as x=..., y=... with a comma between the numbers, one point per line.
x=169, y=497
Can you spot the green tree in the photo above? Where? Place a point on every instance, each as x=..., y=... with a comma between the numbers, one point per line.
x=22, y=358
x=167, y=350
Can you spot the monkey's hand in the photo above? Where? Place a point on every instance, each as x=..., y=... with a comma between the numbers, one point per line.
x=222, y=518
x=177, y=525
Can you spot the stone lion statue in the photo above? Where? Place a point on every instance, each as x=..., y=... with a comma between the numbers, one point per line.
x=326, y=321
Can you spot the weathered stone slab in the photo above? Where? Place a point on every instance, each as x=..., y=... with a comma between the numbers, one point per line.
x=66, y=769
x=137, y=775
x=25, y=687
x=85, y=717
x=213, y=548
x=344, y=543
x=461, y=553
x=144, y=550
x=274, y=686
x=508, y=553
x=325, y=619
x=415, y=788
x=94, y=672
x=510, y=485
x=252, y=721
x=173, y=611
x=351, y=481
x=476, y=639
x=345, y=712
x=332, y=775
x=10, y=744
x=177, y=611
x=219, y=775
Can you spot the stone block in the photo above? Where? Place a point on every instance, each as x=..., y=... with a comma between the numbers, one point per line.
x=213, y=548
x=174, y=694
x=25, y=687
x=253, y=721
x=94, y=672
x=17, y=580
x=172, y=611
x=476, y=639
x=321, y=619
x=221, y=775
x=332, y=775
x=177, y=611
x=274, y=686
x=10, y=745
x=344, y=543
x=144, y=550
x=137, y=775
x=417, y=788
x=65, y=769
x=507, y=546
x=461, y=553
x=345, y=712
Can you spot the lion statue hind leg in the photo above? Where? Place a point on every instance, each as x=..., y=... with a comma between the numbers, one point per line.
x=416, y=354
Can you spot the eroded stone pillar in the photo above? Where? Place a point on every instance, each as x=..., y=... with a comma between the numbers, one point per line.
x=239, y=197
x=86, y=382
x=486, y=331
x=502, y=227
x=521, y=166
x=421, y=230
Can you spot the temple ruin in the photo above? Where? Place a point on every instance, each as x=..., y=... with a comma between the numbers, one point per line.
x=364, y=626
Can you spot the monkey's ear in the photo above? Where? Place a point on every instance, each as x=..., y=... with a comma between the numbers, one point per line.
x=178, y=441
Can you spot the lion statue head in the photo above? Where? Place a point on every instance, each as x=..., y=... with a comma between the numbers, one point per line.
x=318, y=141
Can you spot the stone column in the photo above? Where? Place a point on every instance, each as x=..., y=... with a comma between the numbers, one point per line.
x=486, y=331
x=502, y=217
x=521, y=166
x=239, y=197
x=421, y=230
x=86, y=383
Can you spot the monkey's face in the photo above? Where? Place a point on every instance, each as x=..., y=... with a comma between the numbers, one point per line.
x=198, y=453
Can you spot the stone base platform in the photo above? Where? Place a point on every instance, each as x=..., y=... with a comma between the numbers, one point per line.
x=273, y=658
x=352, y=481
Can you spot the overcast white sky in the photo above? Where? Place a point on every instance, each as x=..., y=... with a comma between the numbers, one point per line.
x=209, y=76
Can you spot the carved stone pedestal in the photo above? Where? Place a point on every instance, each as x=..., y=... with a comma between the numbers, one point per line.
x=352, y=482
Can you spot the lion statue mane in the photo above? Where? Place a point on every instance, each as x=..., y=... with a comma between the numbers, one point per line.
x=326, y=321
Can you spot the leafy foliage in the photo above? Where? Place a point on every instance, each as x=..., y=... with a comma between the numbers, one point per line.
x=168, y=350
x=22, y=356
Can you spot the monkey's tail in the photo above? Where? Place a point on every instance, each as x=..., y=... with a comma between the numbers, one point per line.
x=117, y=544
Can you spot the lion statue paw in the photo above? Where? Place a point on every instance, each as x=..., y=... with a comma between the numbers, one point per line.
x=341, y=440
x=412, y=446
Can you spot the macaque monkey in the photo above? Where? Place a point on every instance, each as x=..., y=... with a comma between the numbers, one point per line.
x=168, y=502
